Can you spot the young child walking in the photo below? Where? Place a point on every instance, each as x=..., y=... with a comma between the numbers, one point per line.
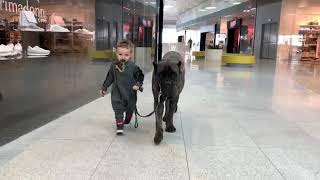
x=126, y=79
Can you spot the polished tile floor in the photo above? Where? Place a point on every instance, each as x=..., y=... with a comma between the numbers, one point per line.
x=36, y=91
x=233, y=123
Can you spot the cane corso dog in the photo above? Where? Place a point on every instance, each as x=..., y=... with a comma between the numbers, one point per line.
x=167, y=83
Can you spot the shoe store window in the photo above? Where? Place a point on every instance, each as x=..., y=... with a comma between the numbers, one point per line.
x=31, y=28
x=299, y=38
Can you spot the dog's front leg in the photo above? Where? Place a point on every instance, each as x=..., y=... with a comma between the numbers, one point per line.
x=172, y=108
x=159, y=113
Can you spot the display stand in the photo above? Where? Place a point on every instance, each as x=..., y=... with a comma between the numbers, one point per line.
x=311, y=43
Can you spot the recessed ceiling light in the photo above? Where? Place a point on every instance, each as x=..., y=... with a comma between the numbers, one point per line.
x=246, y=10
x=236, y=3
x=211, y=7
x=202, y=10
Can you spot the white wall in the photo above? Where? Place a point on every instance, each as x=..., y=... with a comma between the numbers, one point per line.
x=169, y=35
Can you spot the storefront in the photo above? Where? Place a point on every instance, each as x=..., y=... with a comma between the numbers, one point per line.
x=299, y=33
x=47, y=27
x=238, y=30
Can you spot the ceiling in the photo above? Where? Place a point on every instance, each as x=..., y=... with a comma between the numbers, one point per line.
x=185, y=10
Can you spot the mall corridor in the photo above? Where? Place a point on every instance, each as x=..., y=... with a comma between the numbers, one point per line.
x=249, y=110
x=232, y=123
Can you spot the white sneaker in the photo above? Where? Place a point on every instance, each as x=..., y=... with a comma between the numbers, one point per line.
x=41, y=50
x=83, y=31
x=4, y=49
x=18, y=48
x=37, y=51
x=10, y=46
x=5, y=54
x=13, y=53
x=57, y=28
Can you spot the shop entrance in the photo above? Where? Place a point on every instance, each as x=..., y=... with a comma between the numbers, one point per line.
x=269, y=41
x=203, y=37
x=233, y=40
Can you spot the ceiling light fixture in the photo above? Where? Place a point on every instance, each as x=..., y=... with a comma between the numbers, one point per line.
x=202, y=10
x=211, y=7
x=236, y=3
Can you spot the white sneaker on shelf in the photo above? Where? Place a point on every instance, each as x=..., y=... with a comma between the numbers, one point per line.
x=5, y=54
x=37, y=51
x=13, y=53
x=18, y=48
x=57, y=28
x=10, y=46
x=6, y=50
x=83, y=31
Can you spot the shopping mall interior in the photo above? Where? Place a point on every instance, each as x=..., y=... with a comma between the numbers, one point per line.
x=249, y=108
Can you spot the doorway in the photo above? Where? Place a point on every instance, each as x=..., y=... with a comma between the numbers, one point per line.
x=203, y=37
x=233, y=40
x=269, y=41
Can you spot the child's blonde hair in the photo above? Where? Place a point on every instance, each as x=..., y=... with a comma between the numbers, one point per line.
x=125, y=44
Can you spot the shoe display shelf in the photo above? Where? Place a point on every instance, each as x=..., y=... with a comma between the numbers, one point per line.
x=311, y=42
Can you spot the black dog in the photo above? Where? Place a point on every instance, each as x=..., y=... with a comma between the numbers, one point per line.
x=167, y=83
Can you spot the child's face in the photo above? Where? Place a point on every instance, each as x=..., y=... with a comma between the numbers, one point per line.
x=123, y=54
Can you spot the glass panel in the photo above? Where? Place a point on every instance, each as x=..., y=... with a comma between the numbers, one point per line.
x=299, y=31
x=58, y=26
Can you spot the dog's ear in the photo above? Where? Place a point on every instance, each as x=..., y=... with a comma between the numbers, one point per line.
x=179, y=66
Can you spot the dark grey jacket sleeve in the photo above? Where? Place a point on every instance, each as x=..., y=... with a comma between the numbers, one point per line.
x=109, y=79
x=138, y=76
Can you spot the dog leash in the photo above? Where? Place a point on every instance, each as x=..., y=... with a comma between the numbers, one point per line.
x=136, y=123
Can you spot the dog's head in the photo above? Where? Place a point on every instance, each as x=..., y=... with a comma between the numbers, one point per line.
x=167, y=74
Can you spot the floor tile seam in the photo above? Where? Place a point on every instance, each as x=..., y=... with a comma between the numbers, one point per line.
x=305, y=88
x=261, y=150
x=69, y=139
x=184, y=143
x=222, y=146
x=102, y=157
x=296, y=124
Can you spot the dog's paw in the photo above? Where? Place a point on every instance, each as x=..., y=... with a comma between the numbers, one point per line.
x=158, y=138
x=170, y=128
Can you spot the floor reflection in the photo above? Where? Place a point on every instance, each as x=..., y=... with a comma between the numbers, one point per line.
x=36, y=91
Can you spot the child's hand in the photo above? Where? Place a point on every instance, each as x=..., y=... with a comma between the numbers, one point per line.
x=135, y=87
x=103, y=93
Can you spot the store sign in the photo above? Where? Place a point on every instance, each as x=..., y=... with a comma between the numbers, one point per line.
x=13, y=7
